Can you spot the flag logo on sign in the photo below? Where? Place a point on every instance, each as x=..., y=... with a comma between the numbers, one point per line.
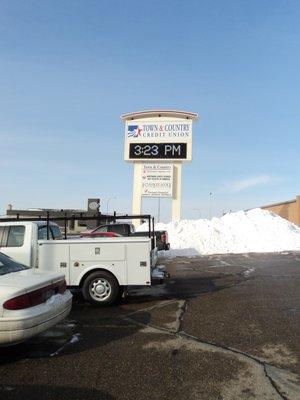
x=134, y=131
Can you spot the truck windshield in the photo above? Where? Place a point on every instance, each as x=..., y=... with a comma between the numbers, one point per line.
x=7, y=265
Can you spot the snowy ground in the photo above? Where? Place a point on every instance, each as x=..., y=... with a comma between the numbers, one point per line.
x=256, y=230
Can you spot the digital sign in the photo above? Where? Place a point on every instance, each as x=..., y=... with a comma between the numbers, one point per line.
x=154, y=151
x=158, y=139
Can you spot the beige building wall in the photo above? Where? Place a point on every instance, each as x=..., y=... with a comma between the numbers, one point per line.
x=289, y=210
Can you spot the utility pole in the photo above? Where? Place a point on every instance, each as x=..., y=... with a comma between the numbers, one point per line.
x=107, y=203
x=210, y=204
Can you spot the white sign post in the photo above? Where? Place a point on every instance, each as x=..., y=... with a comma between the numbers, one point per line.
x=158, y=142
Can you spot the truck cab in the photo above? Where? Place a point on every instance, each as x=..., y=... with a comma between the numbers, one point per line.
x=18, y=239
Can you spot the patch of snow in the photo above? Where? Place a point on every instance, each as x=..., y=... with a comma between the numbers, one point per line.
x=224, y=263
x=248, y=271
x=178, y=253
x=56, y=300
x=256, y=230
x=74, y=339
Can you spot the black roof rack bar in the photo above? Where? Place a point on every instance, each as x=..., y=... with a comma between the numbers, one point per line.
x=73, y=216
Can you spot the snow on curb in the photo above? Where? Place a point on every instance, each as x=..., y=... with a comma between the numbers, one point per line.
x=256, y=230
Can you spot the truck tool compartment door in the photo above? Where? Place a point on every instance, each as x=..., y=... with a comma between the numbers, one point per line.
x=106, y=255
x=54, y=256
x=138, y=263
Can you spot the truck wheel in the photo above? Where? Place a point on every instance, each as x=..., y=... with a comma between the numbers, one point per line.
x=100, y=289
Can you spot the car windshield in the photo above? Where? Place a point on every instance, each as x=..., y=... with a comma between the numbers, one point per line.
x=7, y=265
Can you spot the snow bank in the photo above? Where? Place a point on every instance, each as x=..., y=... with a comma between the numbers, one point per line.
x=256, y=230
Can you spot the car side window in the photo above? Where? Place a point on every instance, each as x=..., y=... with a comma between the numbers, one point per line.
x=102, y=229
x=116, y=229
x=15, y=236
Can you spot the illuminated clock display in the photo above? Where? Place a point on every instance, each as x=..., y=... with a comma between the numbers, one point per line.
x=157, y=150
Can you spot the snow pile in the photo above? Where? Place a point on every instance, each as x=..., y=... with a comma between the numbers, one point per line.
x=256, y=230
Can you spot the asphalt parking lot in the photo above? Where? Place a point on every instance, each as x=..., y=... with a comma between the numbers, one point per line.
x=222, y=327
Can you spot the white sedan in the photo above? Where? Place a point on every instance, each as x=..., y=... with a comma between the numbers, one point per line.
x=30, y=302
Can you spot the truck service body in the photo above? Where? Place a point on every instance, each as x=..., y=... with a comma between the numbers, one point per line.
x=100, y=267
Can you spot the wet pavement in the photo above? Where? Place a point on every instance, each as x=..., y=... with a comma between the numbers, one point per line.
x=222, y=327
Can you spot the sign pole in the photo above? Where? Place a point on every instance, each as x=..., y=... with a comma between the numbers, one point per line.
x=137, y=192
x=176, y=201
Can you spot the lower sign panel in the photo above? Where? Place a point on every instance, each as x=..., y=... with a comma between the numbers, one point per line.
x=157, y=180
x=158, y=151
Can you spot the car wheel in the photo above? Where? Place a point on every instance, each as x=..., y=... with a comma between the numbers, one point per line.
x=101, y=288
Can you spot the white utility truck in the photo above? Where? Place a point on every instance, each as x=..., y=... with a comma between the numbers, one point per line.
x=101, y=267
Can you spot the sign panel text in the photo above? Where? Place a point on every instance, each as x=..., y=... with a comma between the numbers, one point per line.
x=157, y=180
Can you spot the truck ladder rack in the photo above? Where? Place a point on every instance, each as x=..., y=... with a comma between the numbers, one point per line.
x=46, y=216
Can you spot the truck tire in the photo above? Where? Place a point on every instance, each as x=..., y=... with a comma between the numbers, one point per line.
x=101, y=289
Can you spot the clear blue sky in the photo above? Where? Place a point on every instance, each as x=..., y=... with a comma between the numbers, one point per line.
x=69, y=69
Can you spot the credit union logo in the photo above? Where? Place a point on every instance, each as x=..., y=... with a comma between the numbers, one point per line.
x=134, y=131
x=162, y=130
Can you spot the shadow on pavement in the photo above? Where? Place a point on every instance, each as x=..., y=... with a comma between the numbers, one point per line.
x=183, y=288
x=93, y=330
x=45, y=392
